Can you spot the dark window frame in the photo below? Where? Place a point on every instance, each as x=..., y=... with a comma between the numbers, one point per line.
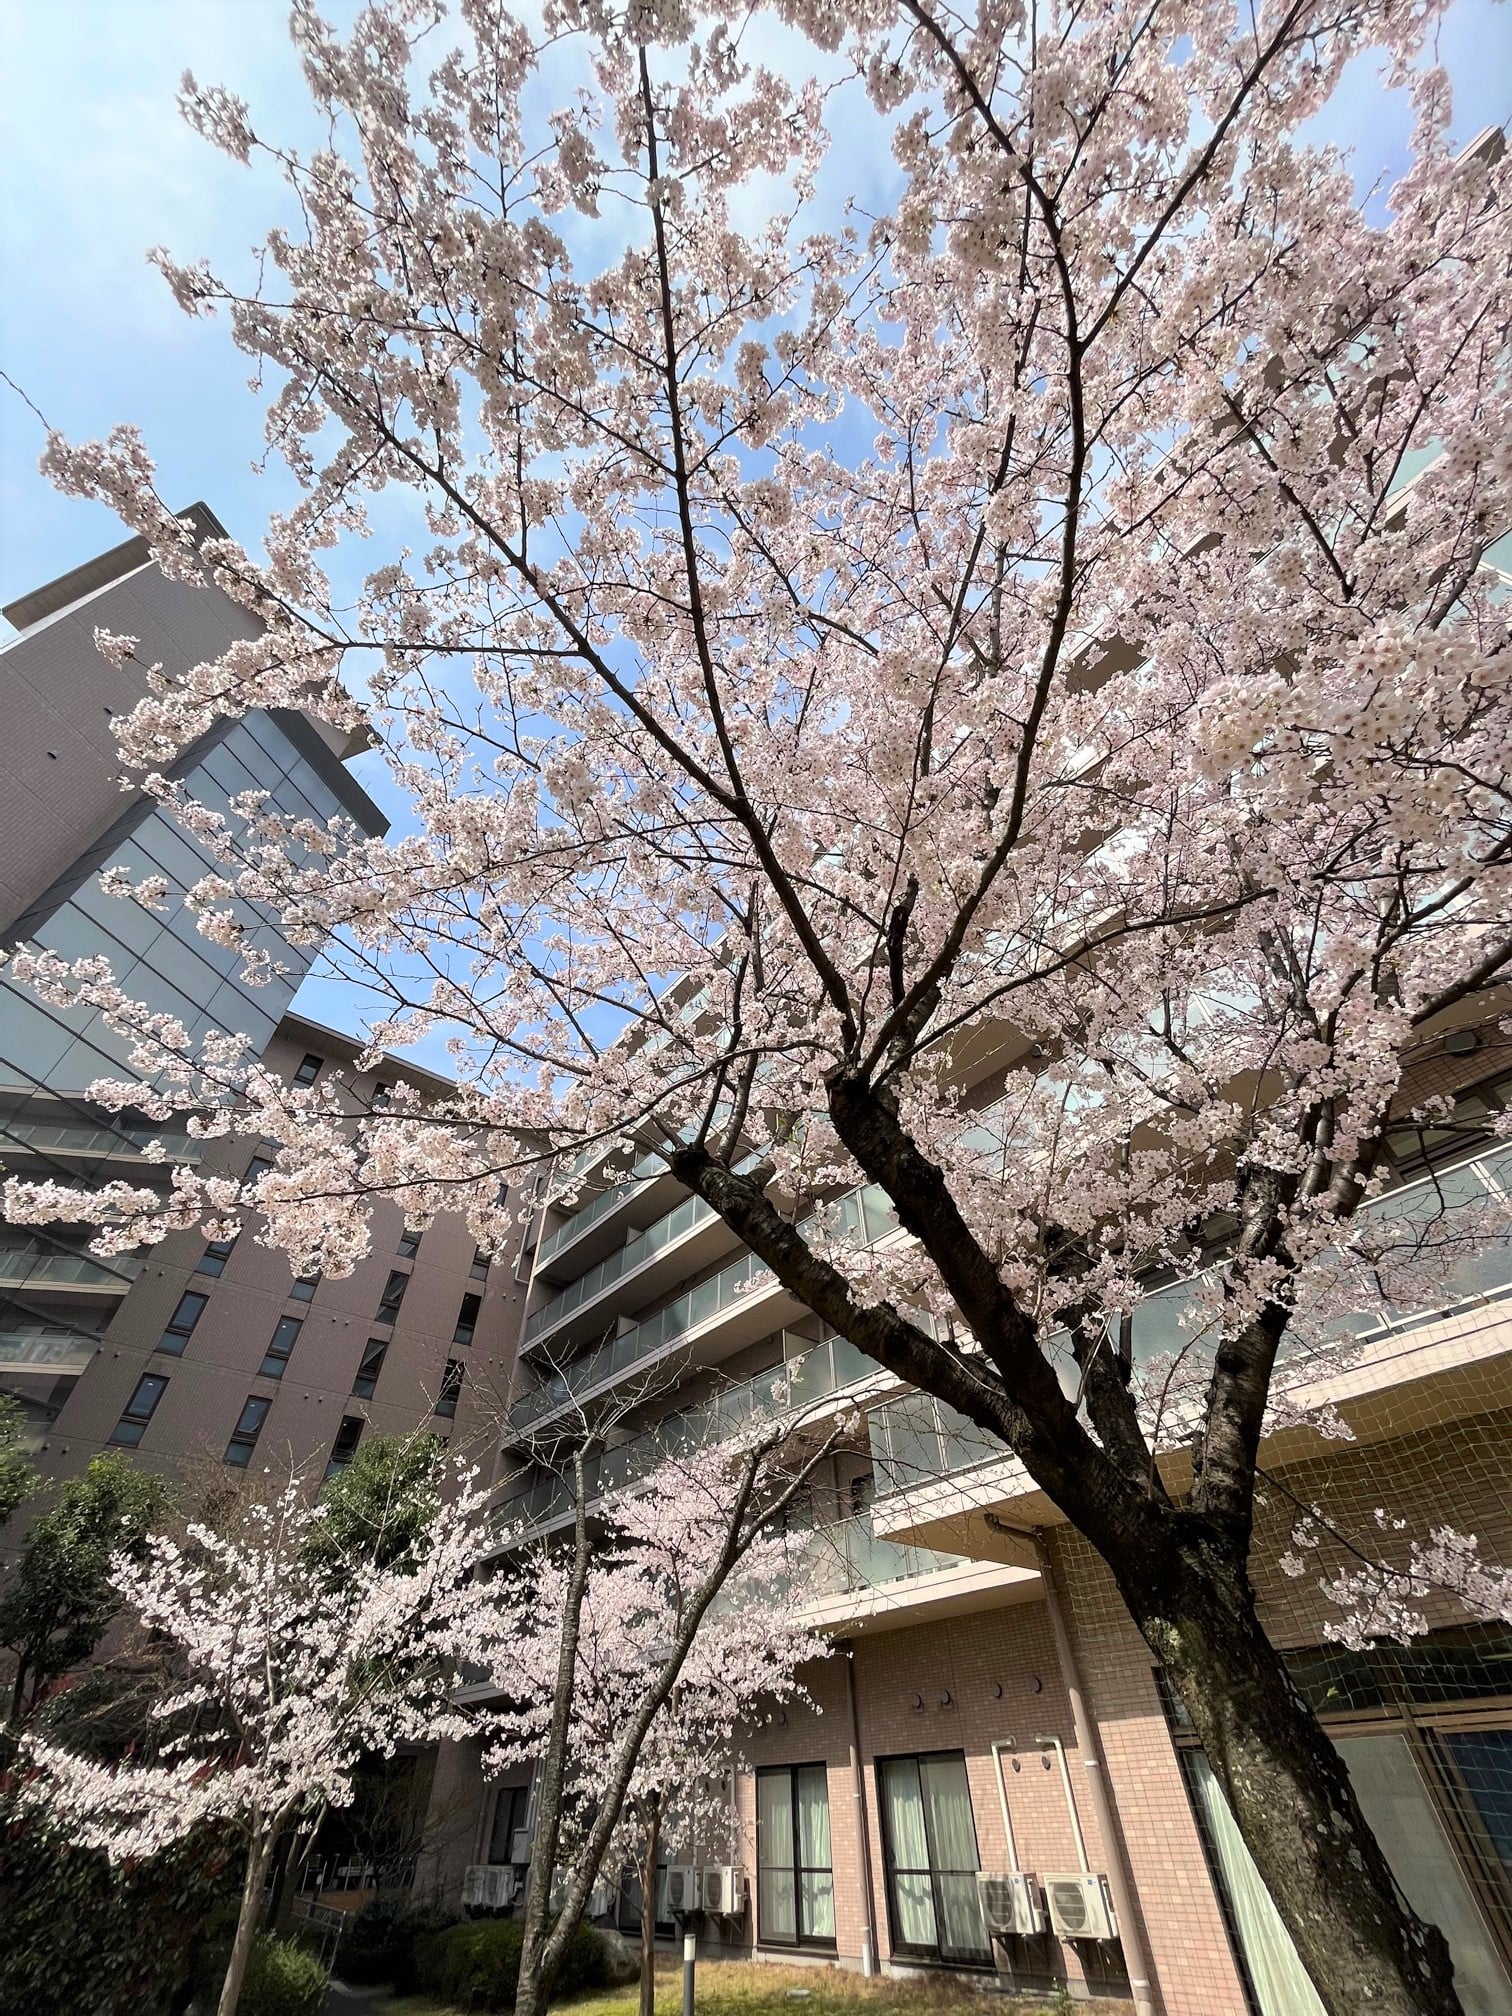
x=243, y=1437
x=179, y=1330
x=337, y=1462
x=809, y=1941
x=212, y=1261
x=392, y=1300
x=901, y=1947
x=409, y=1244
x=303, y=1075
x=468, y=1318
x=304, y=1287
x=286, y=1332
x=364, y=1381
x=136, y=1414
x=451, y=1390
x=481, y=1262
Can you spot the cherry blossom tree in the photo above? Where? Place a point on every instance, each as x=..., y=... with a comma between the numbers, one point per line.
x=292, y=1675
x=635, y=1656
x=999, y=695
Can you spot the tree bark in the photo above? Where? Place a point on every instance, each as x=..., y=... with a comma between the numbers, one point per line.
x=1181, y=1570
x=648, y=1905
x=1361, y=1943
x=538, y=1960
x=259, y=1855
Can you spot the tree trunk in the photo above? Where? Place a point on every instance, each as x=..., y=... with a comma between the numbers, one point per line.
x=1367, y=1952
x=537, y=1965
x=259, y=1855
x=648, y=1905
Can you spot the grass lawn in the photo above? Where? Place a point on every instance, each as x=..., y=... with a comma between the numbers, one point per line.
x=761, y=1988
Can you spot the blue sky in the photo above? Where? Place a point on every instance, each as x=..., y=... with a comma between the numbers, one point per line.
x=96, y=167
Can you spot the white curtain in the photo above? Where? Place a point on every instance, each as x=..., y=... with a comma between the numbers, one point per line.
x=816, y=1903
x=1280, y=1983
x=774, y=1857
x=913, y=1898
x=955, y=1856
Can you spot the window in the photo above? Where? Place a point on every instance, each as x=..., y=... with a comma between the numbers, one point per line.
x=380, y=1095
x=930, y=1851
x=479, y=1267
x=344, y=1448
x=304, y=1288
x=278, y=1352
x=467, y=1320
x=451, y=1388
x=139, y=1410
x=248, y=1427
x=181, y=1323
x=393, y=1295
x=511, y=1816
x=258, y=1166
x=409, y=1243
x=368, y=1370
x=309, y=1069
x=795, y=1879
x=213, y=1259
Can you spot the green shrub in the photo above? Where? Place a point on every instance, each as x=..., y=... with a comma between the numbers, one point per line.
x=585, y=1964
x=282, y=1980
x=478, y=1964
x=378, y=1946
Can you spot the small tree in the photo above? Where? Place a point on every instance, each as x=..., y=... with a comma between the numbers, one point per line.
x=634, y=1657
x=18, y=1477
x=63, y=1594
x=294, y=1676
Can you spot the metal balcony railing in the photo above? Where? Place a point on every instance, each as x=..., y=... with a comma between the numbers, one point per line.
x=30, y=1264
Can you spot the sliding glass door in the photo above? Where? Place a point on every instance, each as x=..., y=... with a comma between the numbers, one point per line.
x=929, y=1839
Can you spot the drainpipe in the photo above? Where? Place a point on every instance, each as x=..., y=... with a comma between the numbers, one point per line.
x=869, y=1965
x=1135, y=1959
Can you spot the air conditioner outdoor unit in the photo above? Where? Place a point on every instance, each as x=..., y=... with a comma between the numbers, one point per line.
x=682, y=1887
x=1080, y=1907
x=472, y=1885
x=498, y=1887
x=1010, y=1904
x=724, y=1890
x=519, y=1844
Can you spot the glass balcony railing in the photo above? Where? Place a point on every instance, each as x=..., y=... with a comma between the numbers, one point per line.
x=597, y=1208
x=53, y=1138
x=916, y=1437
x=623, y=1260
x=46, y=1350
x=848, y=1556
x=35, y=1266
x=788, y=1388
x=864, y=1215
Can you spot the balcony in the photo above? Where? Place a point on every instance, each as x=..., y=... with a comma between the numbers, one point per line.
x=936, y=1471
x=738, y=1305
x=851, y=1577
x=599, y=1215
x=796, y=1385
x=126, y=1144
x=676, y=1245
x=36, y=1268
x=42, y=1349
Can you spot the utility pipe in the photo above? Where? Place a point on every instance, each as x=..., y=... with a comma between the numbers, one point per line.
x=1141, y=1983
x=869, y=1962
x=1002, y=1792
x=1054, y=1743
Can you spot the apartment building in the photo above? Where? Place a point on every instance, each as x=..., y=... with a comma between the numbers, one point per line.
x=191, y=1352
x=990, y=1711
